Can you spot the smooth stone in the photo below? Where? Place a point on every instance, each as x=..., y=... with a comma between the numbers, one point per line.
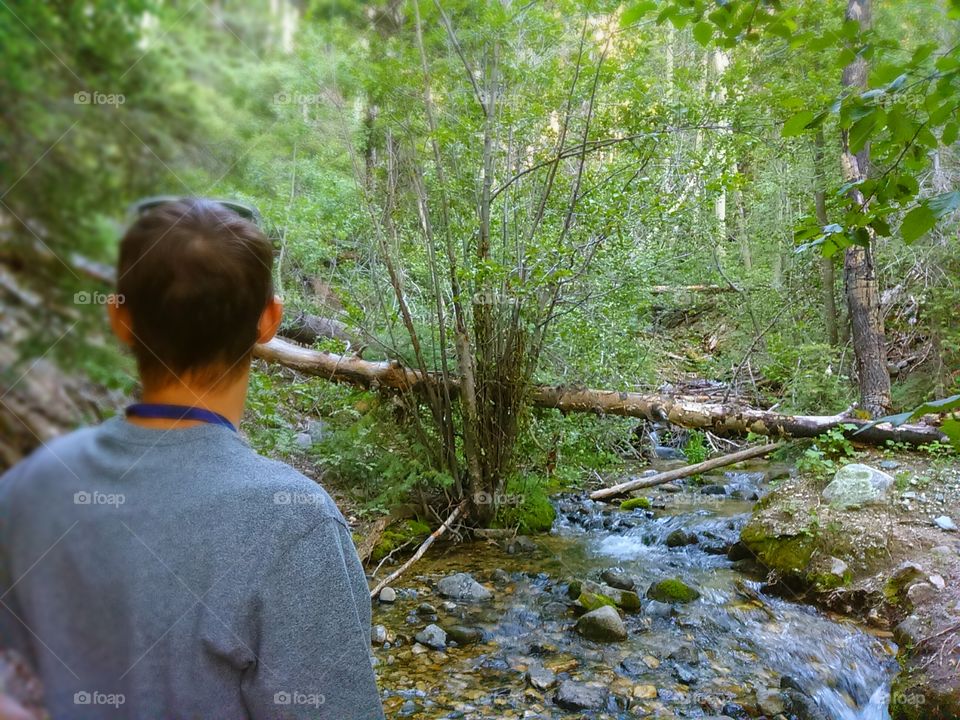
x=937, y=581
x=432, y=636
x=672, y=590
x=388, y=595
x=680, y=538
x=888, y=464
x=464, y=635
x=855, y=485
x=945, y=523
x=378, y=635
x=603, y=625
x=462, y=586
x=617, y=578
x=426, y=609
x=770, y=701
x=580, y=696
x=540, y=677
x=920, y=592
x=655, y=608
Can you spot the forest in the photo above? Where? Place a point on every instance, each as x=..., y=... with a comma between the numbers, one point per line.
x=649, y=305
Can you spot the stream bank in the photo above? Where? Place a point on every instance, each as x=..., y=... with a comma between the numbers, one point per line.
x=730, y=650
x=893, y=562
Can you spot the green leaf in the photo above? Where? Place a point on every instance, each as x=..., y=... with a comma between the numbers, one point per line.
x=797, y=124
x=951, y=428
x=703, y=32
x=917, y=223
x=922, y=53
x=949, y=134
x=944, y=203
x=900, y=124
x=636, y=12
x=864, y=128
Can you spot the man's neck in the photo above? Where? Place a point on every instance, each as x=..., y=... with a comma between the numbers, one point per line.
x=226, y=398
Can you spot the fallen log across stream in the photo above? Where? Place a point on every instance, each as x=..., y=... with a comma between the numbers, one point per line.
x=725, y=419
x=682, y=472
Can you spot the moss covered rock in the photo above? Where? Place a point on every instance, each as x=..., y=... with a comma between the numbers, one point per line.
x=642, y=503
x=672, y=590
x=407, y=531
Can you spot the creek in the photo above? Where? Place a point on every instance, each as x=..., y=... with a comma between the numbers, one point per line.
x=711, y=657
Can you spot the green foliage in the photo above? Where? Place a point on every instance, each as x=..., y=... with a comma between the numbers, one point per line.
x=635, y=503
x=526, y=506
x=830, y=450
x=696, y=448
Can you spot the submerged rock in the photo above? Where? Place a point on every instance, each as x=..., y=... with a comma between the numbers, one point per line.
x=617, y=578
x=592, y=595
x=855, y=485
x=463, y=635
x=462, y=586
x=580, y=696
x=672, y=590
x=432, y=636
x=679, y=538
x=540, y=677
x=603, y=625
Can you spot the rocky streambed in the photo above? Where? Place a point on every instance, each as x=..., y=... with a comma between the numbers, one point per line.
x=652, y=611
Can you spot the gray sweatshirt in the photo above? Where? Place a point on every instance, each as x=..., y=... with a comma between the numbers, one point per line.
x=177, y=574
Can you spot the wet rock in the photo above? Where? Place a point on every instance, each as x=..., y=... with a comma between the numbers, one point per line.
x=419, y=649
x=672, y=590
x=461, y=586
x=645, y=692
x=603, y=625
x=617, y=578
x=464, y=635
x=592, y=595
x=679, y=538
x=739, y=551
x=448, y=606
x=655, y=608
x=671, y=488
x=579, y=696
x=426, y=609
x=802, y=706
x=734, y=711
x=713, y=490
x=432, y=636
x=554, y=610
x=642, y=503
x=685, y=653
x=541, y=678
x=945, y=523
x=388, y=595
x=855, y=485
x=684, y=675
x=770, y=701
x=521, y=545
x=500, y=577
x=378, y=635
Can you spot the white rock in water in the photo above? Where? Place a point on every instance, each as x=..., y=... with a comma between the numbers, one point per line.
x=855, y=485
x=945, y=523
x=388, y=595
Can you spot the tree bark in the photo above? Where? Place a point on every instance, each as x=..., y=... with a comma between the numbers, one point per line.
x=718, y=418
x=859, y=274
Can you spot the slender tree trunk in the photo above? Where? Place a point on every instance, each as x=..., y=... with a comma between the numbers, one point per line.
x=827, y=273
x=859, y=274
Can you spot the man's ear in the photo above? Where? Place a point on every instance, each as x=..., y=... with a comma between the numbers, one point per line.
x=120, y=320
x=270, y=320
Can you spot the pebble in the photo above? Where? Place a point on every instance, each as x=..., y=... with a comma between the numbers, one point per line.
x=937, y=581
x=388, y=595
x=378, y=635
x=945, y=523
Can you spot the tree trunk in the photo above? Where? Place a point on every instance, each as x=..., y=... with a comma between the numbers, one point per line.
x=863, y=296
x=827, y=273
x=718, y=418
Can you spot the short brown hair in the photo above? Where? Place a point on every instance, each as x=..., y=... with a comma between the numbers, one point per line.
x=195, y=278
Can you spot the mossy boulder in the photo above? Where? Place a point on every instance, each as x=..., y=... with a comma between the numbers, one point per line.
x=592, y=595
x=534, y=513
x=642, y=503
x=412, y=531
x=672, y=590
x=915, y=696
x=788, y=554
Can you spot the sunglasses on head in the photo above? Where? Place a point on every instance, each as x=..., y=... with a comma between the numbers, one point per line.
x=247, y=212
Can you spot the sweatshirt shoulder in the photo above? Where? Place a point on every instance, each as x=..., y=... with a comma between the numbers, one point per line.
x=290, y=492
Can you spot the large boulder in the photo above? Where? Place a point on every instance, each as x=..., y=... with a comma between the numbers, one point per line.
x=462, y=586
x=592, y=595
x=603, y=625
x=856, y=485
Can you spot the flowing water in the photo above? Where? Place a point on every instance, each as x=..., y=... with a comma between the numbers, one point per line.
x=705, y=659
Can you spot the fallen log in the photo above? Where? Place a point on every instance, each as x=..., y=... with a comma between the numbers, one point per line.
x=419, y=553
x=723, y=419
x=682, y=472
x=307, y=329
x=706, y=289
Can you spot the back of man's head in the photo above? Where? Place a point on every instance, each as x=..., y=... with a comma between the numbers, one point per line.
x=194, y=278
